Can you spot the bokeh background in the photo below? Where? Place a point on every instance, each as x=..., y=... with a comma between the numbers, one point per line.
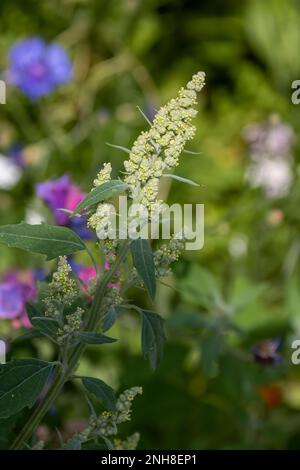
x=226, y=380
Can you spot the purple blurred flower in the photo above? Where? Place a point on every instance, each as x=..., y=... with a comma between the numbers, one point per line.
x=37, y=68
x=265, y=352
x=61, y=193
x=16, y=289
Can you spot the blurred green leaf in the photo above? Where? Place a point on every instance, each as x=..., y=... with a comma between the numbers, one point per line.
x=200, y=287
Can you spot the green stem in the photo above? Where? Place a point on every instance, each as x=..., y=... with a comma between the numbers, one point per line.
x=62, y=377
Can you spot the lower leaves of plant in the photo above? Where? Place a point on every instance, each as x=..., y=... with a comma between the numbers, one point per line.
x=102, y=392
x=21, y=382
x=74, y=316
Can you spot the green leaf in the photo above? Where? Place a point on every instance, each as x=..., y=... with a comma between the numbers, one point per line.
x=6, y=431
x=95, y=338
x=21, y=382
x=32, y=311
x=190, y=320
x=109, y=319
x=108, y=443
x=143, y=262
x=73, y=444
x=47, y=326
x=104, y=191
x=45, y=239
x=211, y=349
x=102, y=392
x=200, y=287
x=27, y=336
x=153, y=337
x=180, y=178
x=144, y=116
x=119, y=147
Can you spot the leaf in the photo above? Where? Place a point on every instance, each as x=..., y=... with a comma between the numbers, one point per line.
x=26, y=336
x=180, y=178
x=102, y=392
x=190, y=320
x=95, y=338
x=73, y=444
x=143, y=262
x=144, y=116
x=119, y=147
x=200, y=287
x=47, y=326
x=109, y=319
x=32, y=311
x=153, y=337
x=190, y=152
x=104, y=191
x=45, y=239
x=211, y=349
x=108, y=443
x=6, y=431
x=21, y=382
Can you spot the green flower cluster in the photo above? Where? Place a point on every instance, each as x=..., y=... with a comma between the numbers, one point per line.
x=62, y=290
x=103, y=175
x=106, y=424
x=72, y=326
x=130, y=443
x=166, y=254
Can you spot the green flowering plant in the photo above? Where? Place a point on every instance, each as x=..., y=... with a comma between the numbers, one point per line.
x=72, y=319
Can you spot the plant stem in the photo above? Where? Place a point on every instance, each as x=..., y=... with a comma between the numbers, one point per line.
x=62, y=377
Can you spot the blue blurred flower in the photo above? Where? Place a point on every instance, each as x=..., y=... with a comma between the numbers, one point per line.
x=265, y=352
x=37, y=68
x=79, y=225
x=16, y=153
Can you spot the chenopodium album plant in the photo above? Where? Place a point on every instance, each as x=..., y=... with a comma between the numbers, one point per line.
x=73, y=319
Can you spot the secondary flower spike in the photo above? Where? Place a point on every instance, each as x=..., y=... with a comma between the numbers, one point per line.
x=37, y=68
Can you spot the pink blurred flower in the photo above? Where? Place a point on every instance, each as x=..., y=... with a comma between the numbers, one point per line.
x=87, y=274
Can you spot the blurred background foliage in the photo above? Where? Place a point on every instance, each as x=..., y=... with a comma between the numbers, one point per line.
x=243, y=286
